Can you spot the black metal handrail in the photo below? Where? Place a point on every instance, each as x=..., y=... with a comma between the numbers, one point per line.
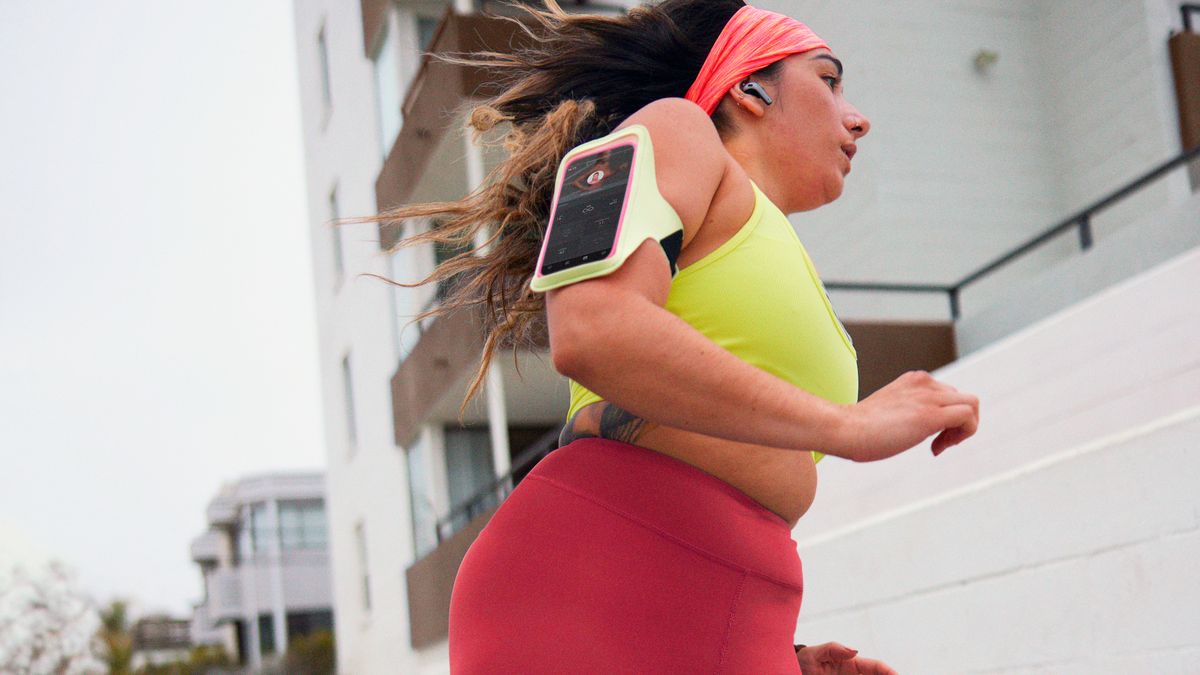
x=1081, y=220
x=499, y=488
x=1186, y=10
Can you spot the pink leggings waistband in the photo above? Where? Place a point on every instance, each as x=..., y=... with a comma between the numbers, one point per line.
x=610, y=557
x=678, y=500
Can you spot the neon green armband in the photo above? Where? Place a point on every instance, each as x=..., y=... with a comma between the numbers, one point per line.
x=606, y=204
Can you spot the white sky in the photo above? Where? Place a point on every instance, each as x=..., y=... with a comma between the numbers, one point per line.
x=157, y=330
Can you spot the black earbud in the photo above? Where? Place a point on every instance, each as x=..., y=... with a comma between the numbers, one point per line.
x=755, y=89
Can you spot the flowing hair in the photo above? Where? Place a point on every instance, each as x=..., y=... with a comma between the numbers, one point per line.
x=579, y=77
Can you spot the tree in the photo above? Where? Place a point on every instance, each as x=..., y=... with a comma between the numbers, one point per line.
x=47, y=626
x=114, y=633
x=311, y=654
x=202, y=660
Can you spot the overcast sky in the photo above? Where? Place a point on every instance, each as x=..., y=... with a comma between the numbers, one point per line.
x=157, y=330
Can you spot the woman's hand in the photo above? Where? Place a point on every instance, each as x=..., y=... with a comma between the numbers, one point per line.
x=833, y=658
x=905, y=412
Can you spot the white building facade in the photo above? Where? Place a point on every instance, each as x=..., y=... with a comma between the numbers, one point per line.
x=265, y=564
x=992, y=120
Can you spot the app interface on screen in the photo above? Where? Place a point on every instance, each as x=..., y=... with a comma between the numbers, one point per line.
x=589, y=209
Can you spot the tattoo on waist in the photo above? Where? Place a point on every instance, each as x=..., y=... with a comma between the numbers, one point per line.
x=604, y=420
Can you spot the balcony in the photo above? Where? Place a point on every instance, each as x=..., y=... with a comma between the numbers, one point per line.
x=224, y=596
x=207, y=547
x=429, y=385
x=223, y=509
x=431, y=579
x=247, y=588
x=431, y=109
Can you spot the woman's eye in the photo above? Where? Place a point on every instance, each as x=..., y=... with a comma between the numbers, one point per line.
x=835, y=81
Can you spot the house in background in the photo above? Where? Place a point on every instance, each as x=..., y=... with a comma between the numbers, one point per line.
x=265, y=564
x=996, y=230
x=159, y=640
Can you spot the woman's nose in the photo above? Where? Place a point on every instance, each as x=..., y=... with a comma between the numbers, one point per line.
x=857, y=123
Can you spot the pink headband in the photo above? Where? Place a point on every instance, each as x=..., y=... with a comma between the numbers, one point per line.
x=753, y=39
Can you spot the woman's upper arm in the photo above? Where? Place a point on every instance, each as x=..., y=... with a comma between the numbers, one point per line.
x=689, y=162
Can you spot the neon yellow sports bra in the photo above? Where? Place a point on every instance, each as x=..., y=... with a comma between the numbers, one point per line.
x=759, y=296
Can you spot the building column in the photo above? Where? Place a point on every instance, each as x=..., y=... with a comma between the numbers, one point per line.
x=278, y=609
x=496, y=409
x=249, y=590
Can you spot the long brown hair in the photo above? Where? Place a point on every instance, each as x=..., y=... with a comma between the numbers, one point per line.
x=581, y=77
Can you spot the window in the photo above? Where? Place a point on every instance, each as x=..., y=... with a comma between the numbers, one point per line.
x=339, y=257
x=351, y=425
x=441, y=253
x=426, y=26
x=424, y=518
x=387, y=88
x=404, y=306
x=360, y=540
x=307, y=623
x=468, y=469
x=266, y=633
x=259, y=528
x=302, y=525
x=323, y=55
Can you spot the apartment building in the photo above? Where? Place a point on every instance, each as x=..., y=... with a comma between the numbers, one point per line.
x=1022, y=221
x=265, y=565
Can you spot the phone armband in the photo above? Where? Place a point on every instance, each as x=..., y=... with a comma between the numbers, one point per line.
x=606, y=204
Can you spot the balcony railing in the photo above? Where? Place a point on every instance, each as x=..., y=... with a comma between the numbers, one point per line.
x=496, y=491
x=1082, y=222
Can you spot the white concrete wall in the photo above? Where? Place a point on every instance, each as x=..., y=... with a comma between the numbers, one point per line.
x=960, y=166
x=1063, y=537
x=1115, y=256
x=368, y=485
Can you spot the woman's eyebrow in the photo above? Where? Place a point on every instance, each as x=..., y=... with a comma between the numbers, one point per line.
x=827, y=57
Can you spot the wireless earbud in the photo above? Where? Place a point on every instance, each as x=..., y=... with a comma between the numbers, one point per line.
x=755, y=89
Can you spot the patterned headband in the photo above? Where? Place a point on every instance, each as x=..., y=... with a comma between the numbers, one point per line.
x=753, y=39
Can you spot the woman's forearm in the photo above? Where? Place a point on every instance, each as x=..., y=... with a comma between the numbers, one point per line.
x=645, y=360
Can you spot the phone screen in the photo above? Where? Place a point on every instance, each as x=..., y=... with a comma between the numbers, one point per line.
x=585, y=222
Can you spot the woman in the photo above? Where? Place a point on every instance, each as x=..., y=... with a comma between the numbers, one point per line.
x=657, y=538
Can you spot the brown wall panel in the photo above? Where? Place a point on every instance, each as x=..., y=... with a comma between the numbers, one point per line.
x=374, y=13
x=446, y=351
x=888, y=350
x=1185, y=60
x=431, y=579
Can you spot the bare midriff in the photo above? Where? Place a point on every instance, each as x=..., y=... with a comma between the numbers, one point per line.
x=784, y=481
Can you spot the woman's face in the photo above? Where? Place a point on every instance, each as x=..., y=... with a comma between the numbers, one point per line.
x=807, y=133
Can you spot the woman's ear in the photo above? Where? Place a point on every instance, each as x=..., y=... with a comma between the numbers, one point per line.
x=744, y=101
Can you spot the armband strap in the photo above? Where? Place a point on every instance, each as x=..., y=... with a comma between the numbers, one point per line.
x=645, y=214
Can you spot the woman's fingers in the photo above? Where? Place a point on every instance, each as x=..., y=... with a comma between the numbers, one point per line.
x=873, y=667
x=833, y=652
x=959, y=422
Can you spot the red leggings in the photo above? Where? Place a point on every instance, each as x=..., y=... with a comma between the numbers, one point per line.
x=612, y=558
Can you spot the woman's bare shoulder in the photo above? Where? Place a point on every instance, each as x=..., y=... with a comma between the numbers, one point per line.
x=690, y=160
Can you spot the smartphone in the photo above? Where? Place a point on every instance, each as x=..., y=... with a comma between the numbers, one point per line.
x=586, y=217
